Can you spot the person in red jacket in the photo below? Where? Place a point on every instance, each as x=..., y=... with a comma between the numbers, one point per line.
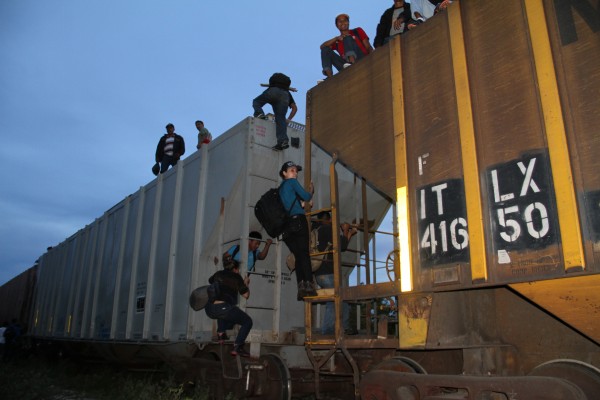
x=351, y=45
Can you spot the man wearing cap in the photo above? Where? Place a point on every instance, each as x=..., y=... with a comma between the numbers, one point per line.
x=170, y=148
x=253, y=254
x=351, y=45
x=296, y=233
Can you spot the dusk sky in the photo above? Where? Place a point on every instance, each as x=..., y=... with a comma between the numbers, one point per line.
x=87, y=87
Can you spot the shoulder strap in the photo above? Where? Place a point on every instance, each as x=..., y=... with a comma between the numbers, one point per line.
x=359, y=41
x=294, y=202
x=235, y=251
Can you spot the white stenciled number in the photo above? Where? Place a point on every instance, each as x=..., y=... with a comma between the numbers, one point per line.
x=459, y=237
x=511, y=224
x=429, y=238
x=460, y=232
x=513, y=228
x=545, y=224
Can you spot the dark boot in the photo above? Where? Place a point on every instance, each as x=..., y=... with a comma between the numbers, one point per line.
x=301, y=290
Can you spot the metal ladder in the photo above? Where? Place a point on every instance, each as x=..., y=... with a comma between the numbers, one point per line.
x=337, y=343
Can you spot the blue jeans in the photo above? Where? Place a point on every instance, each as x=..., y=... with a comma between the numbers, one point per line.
x=228, y=315
x=328, y=327
x=330, y=58
x=279, y=99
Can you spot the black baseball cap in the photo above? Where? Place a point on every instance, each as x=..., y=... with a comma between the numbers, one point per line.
x=290, y=164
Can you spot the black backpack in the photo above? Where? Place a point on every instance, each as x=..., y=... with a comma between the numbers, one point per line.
x=280, y=80
x=271, y=213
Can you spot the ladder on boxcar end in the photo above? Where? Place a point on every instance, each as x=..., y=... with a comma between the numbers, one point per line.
x=332, y=345
x=338, y=295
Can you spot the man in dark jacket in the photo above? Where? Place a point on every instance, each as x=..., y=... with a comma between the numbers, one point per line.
x=170, y=148
x=394, y=21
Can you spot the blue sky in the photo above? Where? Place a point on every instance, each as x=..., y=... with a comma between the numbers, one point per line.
x=87, y=86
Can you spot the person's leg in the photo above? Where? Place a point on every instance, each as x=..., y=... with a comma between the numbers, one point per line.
x=259, y=102
x=237, y=316
x=329, y=59
x=165, y=163
x=281, y=100
x=297, y=242
x=328, y=326
x=352, y=51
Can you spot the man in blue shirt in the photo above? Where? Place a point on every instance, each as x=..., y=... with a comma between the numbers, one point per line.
x=254, y=239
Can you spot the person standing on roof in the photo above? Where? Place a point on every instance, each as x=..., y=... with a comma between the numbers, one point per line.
x=170, y=148
x=394, y=21
x=351, y=45
x=296, y=233
x=204, y=136
x=253, y=254
x=279, y=97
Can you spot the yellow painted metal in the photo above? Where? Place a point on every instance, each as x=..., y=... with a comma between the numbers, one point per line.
x=414, y=311
x=573, y=300
x=570, y=226
x=468, y=147
x=402, y=202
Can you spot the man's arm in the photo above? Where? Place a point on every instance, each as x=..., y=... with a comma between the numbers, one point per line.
x=294, y=109
x=246, y=293
x=265, y=251
x=331, y=42
x=182, y=149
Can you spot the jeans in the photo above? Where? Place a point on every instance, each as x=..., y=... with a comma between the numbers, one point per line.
x=279, y=99
x=166, y=162
x=228, y=315
x=328, y=327
x=330, y=58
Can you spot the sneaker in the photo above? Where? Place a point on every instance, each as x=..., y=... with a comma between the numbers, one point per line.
x=261, y=116
x=346, y=65
x=239, y=351
x=285, y=144
x=277, y=147
x=222, y=337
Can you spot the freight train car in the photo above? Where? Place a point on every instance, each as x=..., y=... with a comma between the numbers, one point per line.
x=479, y=129
x=482, y=125
x=16, y=298
x=119, y=288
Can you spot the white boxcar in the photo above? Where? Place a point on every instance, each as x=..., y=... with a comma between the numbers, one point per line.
x=127, y=277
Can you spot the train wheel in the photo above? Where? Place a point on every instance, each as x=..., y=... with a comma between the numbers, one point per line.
x=374, y=382
x=585, y=376
x=400, y=364
x=274, y=381
x=390, y=261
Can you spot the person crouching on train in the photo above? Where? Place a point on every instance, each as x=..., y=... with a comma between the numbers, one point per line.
x=224, y=307
x=296, y=233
